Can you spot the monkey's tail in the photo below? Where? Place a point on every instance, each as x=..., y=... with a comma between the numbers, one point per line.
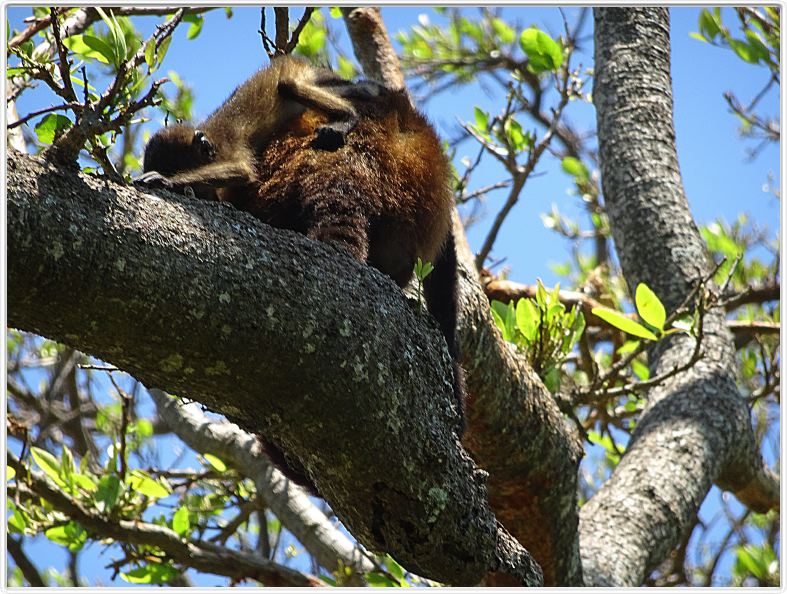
x=440, y=292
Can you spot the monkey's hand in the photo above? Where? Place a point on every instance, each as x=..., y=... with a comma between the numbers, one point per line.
x=153, y=179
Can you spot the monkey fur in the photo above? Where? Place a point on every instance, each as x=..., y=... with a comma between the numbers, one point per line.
x=383, y=195
x=221, y=151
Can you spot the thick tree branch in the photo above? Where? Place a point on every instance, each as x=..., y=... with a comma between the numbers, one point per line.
x=285, y=336
x=200, y=555
x=288, y=501
x=696, y=428
x=515, y=430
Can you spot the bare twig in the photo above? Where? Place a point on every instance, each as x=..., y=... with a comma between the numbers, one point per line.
x=307, y=13
x=76, y=107
x=63, y=64
x=282, y=24
x=520, y=175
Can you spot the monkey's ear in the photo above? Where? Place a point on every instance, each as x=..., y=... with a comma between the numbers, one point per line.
x=203, y=145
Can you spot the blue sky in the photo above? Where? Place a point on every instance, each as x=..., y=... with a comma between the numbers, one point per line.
x=719, y=182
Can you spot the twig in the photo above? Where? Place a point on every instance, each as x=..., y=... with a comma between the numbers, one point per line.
x=307, y=13
x=282, y=24
x=521, y=175
x=63, y=64
x=127, y=402
x=76, y=107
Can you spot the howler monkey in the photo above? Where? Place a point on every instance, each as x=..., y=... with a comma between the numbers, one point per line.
x=383, y=193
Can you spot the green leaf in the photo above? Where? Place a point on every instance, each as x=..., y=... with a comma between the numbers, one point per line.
x=150, y=53
x=150, y=574
x=751, y=561
x=504, y=33
x=628, y=347
x=336, y=12
x=76, y=44
x=575, y=168
x=180, y=521
x=17, y=522
x=100, y=49
x=215, y=462
x=346, y=68
x=71, y=535
x=66, y=464
x=379, y=580
x=9, y=473
x=481, y=119
x=527, y=319
x=51, y=127
x=649, y=307
x=542, y=51
x=516, y=137
x=394, y=568
x=196, y=21
x=697, y=36
x=48, y=463
x=155, y=489
x=709, y=28
x=640, y=370
x=162, y=50
x=85, y=482
x=744, y=51
x=505, y=318
x=552, y=379
x=620, y=321
x=107, y=493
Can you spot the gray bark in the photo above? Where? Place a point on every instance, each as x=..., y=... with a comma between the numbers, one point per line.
x=285, y=336
x=518, y=434
x=696, y=428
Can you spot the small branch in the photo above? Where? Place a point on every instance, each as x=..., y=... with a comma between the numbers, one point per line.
x=63, y=63
x=200, y=555
x=286, y=500
x=282, y=24
x=521, y=175
x=307, y=13
x=23, y=562
x=760, y=294
x=76, y=107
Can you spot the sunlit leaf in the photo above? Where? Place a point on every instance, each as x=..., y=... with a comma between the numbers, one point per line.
x=649, y=306
x=620, y=321
x=542, y=51
x=48, y=463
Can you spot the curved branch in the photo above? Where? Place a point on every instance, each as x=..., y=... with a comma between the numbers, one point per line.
x=288, y=501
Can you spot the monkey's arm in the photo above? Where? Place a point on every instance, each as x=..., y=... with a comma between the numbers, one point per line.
x=330, y=96
x=211, y=176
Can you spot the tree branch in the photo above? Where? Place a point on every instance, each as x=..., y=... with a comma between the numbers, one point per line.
x=179, y=292
x=288, y=501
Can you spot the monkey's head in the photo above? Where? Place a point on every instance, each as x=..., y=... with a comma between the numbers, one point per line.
x=178, y=148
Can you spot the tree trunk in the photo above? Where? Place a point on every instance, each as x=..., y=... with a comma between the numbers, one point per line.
x=695, y=429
